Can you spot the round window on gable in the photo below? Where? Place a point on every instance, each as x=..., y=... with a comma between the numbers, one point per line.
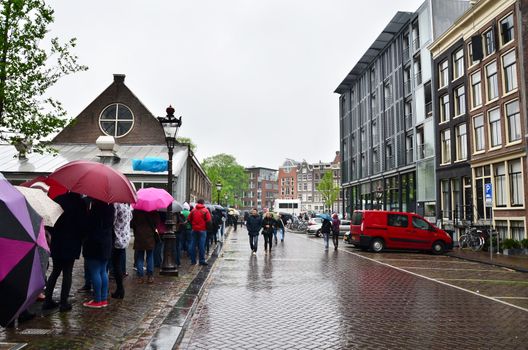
x=116, y=120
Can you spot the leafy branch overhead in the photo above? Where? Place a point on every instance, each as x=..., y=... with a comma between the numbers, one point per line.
x=224, y=168
x=27, y=71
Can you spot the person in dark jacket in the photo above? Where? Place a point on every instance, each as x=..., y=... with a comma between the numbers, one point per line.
x=66, y=241
x=216, y=217
x=144, y=225
x=335, y=230
x=326, y=229
x=253, y=225
x=268, y=228
x=97, y=250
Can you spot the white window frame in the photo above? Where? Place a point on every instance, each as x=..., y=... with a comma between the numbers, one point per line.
x=458, y=64
x=444, y=108
x=476, y=89
x=479, y=137
x=501, y=39
x=494, y=127
x=445, y=137
x=492, y=79
x=443, y=74
x=461, y=142
x=509, y=72
x=460, y=101
x=516, y=126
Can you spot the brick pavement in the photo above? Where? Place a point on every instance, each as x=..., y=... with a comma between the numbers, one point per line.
x=514, y=262
x=131, y=323
x=302, y=297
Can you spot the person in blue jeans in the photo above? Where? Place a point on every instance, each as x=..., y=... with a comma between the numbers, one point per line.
x=198, y=219
x=144, y=225
x=97, y=250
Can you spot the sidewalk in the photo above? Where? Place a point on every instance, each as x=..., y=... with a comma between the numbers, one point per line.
x=516, y=262
x=151, y=316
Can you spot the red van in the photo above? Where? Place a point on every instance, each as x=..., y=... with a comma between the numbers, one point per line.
x=378, y=229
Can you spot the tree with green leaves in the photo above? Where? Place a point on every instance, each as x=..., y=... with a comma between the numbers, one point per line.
x=328, y=189
x=27, y=71
x=224, y=168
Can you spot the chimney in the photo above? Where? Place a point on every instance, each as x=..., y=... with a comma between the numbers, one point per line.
x=107, y=148
x=119, y=78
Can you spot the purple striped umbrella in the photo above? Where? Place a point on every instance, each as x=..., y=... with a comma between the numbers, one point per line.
x=24, y=253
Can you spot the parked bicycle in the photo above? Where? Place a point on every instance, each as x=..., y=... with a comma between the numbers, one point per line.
x=473, y=238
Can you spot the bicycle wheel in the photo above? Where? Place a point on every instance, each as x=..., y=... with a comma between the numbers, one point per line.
x=463, y=241
x=477, y=242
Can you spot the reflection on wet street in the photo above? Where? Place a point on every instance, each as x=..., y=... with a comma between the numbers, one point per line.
x=300, y=296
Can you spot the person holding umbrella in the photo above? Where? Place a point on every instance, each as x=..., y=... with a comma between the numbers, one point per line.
x=326, y=228
x=97, y=250
x=66, y=242
x=198, y=218
x=335, y=230
x=144, y=224
x=122, y=218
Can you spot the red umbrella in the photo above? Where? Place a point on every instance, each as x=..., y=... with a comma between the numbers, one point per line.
x=55, y=189
x=96, y=180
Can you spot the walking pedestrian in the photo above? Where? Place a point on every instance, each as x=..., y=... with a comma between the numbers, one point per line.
x=66, y=242
x=335, y=230
x=145, y=235
x=279, y=224
x=268, y=229
x=253, y=225
x=198, y=218
x=97, y=250
x=235, y=221
x=326, y=229
x=122, y=218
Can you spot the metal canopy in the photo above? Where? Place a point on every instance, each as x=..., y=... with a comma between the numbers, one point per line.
x=386, y=36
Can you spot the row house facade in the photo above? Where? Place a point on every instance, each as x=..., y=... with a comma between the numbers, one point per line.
x=480, y=97
x=299, y=180
x=386, y=117
x=262, y=190
x=287, y=178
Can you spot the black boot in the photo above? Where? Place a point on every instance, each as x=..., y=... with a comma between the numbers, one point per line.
x=118, y=294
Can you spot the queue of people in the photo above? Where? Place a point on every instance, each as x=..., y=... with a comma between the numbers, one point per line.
x=103, y=231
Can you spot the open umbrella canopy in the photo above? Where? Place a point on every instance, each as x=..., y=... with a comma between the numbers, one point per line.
x=151, y=198
x=43, y=205
x=96, y=180
x=324, y=216
x=24, y=253
x=52, y=187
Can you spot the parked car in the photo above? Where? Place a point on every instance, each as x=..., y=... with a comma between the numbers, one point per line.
x=344, y=228
x=378, y=230
x=314, y=227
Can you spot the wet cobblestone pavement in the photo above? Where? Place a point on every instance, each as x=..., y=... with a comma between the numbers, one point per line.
x=303, y=297
x=125, y=324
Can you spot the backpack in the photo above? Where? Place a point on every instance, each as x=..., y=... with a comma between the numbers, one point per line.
x=209, y=225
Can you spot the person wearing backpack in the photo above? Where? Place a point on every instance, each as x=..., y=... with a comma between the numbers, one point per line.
x=199, y=217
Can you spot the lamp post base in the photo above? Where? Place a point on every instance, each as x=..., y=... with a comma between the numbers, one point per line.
x=168, y=267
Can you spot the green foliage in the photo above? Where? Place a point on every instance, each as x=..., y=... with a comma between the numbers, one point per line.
x=509, y=243
x=224, y=168
x=188, y=141
x=328, y=189
x=524, y=243
x=27, y=71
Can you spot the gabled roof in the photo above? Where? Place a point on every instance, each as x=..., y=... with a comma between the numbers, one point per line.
x=397, y=23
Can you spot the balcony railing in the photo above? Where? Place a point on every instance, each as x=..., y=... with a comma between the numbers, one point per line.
x=418, y=78
x=416, y=44
x=407, y=87
x=406, y=54
x=429, y=109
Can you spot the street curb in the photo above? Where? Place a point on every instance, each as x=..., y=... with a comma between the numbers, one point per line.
x=497, y=264
x=171, y=331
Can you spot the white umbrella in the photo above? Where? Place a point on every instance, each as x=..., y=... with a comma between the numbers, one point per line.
x=43, y=205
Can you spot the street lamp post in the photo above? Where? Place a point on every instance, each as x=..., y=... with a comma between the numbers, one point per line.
x=218, y=189
x=170, y=125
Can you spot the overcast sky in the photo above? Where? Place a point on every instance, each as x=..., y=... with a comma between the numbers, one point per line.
x=251, y=78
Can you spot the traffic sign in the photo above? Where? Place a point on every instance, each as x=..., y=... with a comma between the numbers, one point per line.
x=488, y=190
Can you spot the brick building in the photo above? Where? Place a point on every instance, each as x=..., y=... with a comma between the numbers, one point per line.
x=263, y=189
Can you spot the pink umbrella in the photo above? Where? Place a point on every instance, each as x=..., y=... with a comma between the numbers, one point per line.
x=150, y=199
